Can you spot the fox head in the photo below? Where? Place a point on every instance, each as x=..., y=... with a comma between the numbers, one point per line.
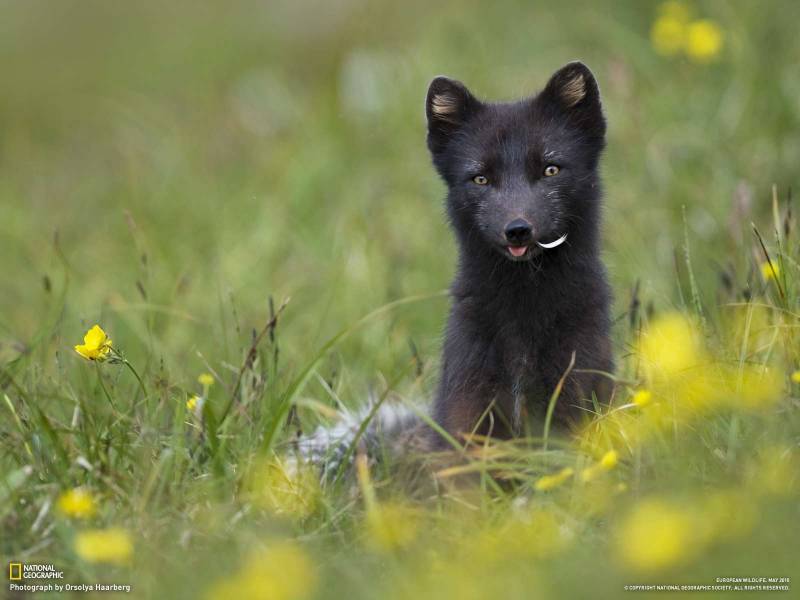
x=521, y=176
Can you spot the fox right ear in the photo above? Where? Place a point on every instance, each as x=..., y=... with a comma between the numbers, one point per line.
x=448, y=106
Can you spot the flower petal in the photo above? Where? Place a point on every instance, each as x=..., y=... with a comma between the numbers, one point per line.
x=95, y=337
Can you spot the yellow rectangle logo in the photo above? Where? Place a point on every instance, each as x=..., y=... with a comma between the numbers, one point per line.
x=15, y=571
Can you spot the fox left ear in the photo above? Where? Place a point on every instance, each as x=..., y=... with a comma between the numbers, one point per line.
x=573, y=89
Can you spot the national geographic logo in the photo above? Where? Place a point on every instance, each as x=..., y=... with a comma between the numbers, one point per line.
x=48, y=580
x=17, y=571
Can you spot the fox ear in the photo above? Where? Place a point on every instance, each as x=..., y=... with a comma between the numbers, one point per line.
x=448, y=106
x=573, y=89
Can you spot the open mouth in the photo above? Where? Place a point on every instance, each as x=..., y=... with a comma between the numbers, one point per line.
x=518, y=252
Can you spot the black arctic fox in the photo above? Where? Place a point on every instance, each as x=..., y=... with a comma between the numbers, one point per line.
x=530, y=291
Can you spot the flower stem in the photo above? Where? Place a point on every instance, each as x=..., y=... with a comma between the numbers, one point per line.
x=103, y=385
x=135, y=374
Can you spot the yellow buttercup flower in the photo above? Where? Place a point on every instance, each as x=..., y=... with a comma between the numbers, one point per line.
x=549, y=482
x=193, y=402
x=667, y=35
x=77, y=503
x=96, y=345
x=796, y=376
x=770, y=270
x=112, y=546
x=670, y=346
x=609, y=460
x=281, y=572
x=656, y=535
x=206, y=380
x=642, y=397
x=703, y=40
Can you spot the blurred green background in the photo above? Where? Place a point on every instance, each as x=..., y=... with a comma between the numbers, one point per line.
x=166, y=168
x=277, y=148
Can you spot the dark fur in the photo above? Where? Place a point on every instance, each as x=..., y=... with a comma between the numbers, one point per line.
x=514, y=324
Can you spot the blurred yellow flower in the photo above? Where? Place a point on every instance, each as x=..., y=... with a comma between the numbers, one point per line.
x=796, y=377
x=642, y=397
x=112, y=546
x=206, y=379
x=283, y=571
x=609, y=460
x=78, y=503
x=703, y=40
x=96, y=345
x=670, y=346
x=673, y=32
x=656, y=535
x=549, y=482
x=193, y=402
x=770, y=270
x=667, y=35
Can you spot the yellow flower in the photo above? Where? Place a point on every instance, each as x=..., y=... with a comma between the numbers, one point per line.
x=642, y=397
x=656, y=535
x=796, y=376
x=193, y=402
x=667, y=35
x=609, y=460
x=670, y=346
x=96, y=345
x=77, y=503
x=281, y=572
x=703, y=40
x=206, y=380
x=112, y=545
x=549, y=482
x=770, y=270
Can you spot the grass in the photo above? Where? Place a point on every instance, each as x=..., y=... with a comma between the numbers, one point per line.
x=244, y=191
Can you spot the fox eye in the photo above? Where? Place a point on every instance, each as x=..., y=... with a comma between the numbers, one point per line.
x=550, y=170
x=480, y=180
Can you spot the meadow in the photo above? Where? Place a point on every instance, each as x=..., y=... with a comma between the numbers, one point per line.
x=240, y=197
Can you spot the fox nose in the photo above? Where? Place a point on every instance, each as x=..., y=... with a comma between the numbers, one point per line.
x=519, y=232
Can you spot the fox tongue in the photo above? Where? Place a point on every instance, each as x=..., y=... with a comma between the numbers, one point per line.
x=517, y=251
